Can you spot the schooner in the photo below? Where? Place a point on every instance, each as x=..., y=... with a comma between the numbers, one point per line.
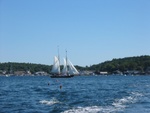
x=68, y=69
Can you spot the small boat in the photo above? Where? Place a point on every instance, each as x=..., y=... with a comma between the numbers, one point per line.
x=68, y=70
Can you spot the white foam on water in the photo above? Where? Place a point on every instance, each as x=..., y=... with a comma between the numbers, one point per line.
x=122, y=103
x=91, y=109
x=49, y=102
x=117, y=105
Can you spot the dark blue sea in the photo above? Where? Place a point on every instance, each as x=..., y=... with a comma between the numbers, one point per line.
x=80, y=94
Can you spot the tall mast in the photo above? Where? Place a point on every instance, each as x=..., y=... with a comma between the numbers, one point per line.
x=58, y=56
x=58, y=51
x=66, y=62
x=66, y=57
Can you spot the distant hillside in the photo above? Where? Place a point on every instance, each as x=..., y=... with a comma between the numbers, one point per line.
x=11, y=67
x=139, y=63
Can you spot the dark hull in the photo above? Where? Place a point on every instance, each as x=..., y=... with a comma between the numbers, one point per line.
x=56, y=76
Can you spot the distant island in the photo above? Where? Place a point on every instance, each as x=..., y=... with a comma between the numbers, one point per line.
x=139, y=65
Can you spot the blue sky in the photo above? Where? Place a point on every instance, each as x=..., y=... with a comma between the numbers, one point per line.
x=92, y=31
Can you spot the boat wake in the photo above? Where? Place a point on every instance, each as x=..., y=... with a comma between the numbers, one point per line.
x=91, y=109
x=50, y=102
x=121, y=104
x=117, y=106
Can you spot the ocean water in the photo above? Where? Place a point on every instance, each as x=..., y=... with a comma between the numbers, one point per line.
x=80, y=94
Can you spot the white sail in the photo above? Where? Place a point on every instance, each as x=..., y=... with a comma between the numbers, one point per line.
x=56, y=66
x=72, y=69
x=68, y=70
x=65, y=70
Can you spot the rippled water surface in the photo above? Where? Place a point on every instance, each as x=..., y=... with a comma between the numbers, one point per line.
x=81, y=94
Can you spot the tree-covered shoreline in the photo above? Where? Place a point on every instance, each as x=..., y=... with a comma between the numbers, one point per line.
x=140, y=64
x=11, y=67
